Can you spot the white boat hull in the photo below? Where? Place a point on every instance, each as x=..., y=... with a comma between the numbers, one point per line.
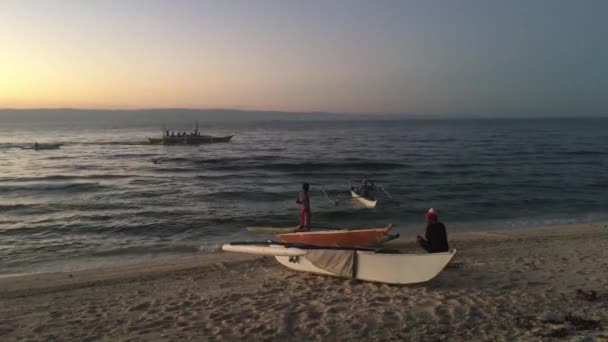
x=364, y=201
x=382, y=268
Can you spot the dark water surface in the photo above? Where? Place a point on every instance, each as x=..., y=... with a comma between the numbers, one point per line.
x=108, y=197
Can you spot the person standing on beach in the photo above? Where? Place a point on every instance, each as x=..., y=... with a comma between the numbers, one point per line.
x=436, y=239
x=304, y=202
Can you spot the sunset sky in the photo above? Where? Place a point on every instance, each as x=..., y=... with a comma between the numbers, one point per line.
x=493, y=57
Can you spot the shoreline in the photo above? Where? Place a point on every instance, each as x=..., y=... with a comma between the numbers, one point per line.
x=500, y=285
x=205, y=248
x=160, y=265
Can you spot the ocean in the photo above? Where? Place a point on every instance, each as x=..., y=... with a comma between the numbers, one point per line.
x=107, y=197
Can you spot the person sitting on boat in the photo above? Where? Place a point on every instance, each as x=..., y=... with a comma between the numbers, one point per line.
x=435, y=240
x=304, y=201
x=367, y=188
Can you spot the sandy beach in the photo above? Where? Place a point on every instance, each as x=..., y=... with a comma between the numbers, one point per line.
x=503, y=285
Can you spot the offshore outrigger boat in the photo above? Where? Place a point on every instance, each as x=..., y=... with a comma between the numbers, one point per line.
x=192, y=138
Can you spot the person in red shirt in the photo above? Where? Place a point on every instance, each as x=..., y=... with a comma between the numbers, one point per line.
x=304, y=202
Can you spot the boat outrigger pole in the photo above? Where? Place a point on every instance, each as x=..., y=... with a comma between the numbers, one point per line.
x=327, y=196
x=388, y=194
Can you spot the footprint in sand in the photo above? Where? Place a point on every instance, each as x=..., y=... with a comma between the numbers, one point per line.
x=140, y=307
x=382, y=299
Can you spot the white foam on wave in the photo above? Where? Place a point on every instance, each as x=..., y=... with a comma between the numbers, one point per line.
x=210, y=248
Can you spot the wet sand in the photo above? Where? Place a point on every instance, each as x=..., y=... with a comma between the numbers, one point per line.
x=502, y=285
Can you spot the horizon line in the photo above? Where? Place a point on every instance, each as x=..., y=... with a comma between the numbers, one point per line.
x=290, y=112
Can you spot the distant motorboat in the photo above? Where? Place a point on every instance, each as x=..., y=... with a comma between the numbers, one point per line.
x=193, y=138
x=189, y=140
x=39, y=147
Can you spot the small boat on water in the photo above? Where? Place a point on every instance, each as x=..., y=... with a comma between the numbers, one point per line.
x=39, y=147
x=340, y=238
x=368, y=202
x=192, y=138
x=189, y=140
x=383, y=266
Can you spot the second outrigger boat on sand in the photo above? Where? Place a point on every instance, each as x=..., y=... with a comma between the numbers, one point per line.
x=192, y=138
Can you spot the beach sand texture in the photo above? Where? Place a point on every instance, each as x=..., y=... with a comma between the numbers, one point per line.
x=502, y=285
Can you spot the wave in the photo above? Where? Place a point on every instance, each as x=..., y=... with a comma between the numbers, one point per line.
x=133, y=155
x=149, y=249
x=443, y=173
x=17, y=207
x=229, y=176
x=466, y=165
x=27, y=145
x=210, y=248
x=114, y=143
x=236, y=165
x=175, y=169
x=354, y=175
x=285, y=162
x=581, y=153
x=6, y=146
x=207, y=161
x=253, y=195
x=62, y=177
x=75, y=187
x=316, y=166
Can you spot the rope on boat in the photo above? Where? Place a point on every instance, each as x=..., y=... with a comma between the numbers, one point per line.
x=388, y=194
x=327, y=196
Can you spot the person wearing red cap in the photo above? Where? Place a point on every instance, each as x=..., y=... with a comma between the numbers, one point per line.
x=436, y=239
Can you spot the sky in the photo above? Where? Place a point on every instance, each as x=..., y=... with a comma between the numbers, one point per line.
x=352, y=56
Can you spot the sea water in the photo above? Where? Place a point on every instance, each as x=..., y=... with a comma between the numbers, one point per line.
x=107, y=196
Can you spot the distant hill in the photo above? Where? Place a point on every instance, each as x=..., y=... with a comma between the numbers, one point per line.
x=181, y=116
x=155, y=116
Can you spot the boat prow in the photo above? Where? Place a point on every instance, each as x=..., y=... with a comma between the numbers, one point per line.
x=366, y=202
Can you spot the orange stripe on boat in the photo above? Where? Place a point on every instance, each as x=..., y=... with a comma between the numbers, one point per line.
x=338, y=238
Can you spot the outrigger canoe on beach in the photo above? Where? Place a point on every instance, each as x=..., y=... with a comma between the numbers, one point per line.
x=340, y=238
x=384, y=266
